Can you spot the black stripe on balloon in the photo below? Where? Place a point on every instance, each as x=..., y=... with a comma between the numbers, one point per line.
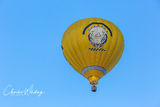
x=97, y=23
x=95, y=49
x=62, y=47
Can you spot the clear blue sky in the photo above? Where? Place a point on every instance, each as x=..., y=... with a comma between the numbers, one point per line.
x=30, y=53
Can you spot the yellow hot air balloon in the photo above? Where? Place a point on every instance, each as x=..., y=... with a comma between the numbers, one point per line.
x=93, y=46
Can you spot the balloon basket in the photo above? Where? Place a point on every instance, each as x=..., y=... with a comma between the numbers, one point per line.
x=94, y=88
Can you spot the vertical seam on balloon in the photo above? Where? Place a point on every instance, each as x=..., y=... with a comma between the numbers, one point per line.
x=83, y=44
x=121, y=51
x=91, y=52
x=116, y=54
x=110, y=58
x=73, y=51
x=88, y=59
x=107, y=58
x=116, y=43
x=108, y=48
x=117, y=58
x=104, y=54
x=92, y=55
x=96, y=53
x=67, y=56
x=80, y=57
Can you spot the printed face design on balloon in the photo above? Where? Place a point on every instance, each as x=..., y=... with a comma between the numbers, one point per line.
x=97, y=36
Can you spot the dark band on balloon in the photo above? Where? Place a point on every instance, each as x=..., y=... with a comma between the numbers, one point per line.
x=93, y=68
x=62, y=47
x=97, y=23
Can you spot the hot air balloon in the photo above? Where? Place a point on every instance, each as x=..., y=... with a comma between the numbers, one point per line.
x=93, y=46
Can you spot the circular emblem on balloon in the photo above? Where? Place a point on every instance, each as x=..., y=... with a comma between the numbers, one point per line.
x=97, y=36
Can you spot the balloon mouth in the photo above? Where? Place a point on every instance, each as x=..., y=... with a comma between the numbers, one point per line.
x=93, y=80
x=93, y=76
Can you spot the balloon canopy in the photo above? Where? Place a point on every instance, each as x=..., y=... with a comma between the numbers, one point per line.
x=93, y=46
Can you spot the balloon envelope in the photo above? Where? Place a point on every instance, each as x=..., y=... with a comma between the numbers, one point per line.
x=93, y=46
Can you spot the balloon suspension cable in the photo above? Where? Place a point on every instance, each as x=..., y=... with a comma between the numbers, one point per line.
x=94, y=88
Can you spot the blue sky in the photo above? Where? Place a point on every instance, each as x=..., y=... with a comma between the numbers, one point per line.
x=30, y=53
